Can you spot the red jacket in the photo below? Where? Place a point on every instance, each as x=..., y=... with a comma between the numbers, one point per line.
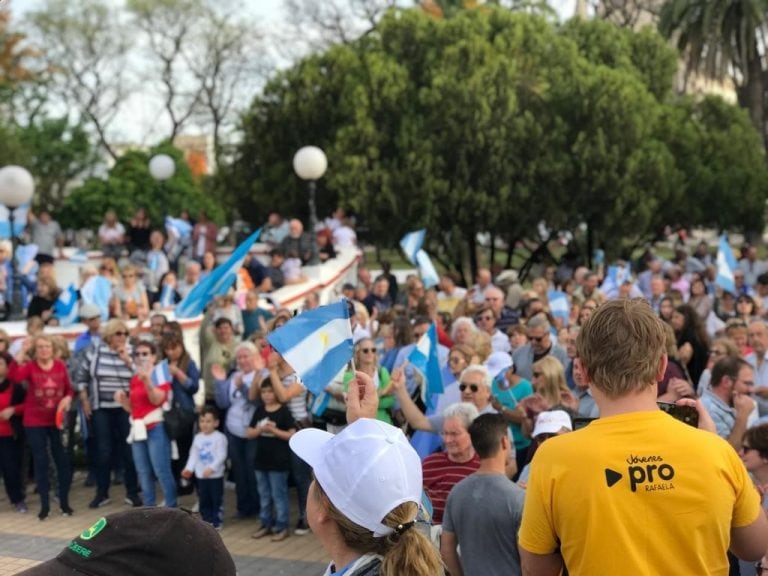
x=6, y=396
x=45, y=391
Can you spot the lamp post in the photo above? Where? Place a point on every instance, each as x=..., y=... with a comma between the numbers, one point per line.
x=16, y=189
x=310, y=164
x=162, y=167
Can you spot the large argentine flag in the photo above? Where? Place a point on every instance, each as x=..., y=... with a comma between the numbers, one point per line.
x=217, y=282
x=316, y=344
x=411, y=244
x=726, y=264
x=424, y=358
x=65, y=308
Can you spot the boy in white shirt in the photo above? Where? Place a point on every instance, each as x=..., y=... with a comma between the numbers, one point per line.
x=206, y=462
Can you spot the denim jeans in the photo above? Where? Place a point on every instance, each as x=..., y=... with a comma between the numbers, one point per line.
x=273, y=490
x=110, y=426
x=302, y=477
x=153, y=460
x=210, y=491
x=39, y=438
x=10, y=468
x=242, y=454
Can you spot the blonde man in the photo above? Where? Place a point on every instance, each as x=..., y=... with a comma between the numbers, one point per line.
x=636, y=491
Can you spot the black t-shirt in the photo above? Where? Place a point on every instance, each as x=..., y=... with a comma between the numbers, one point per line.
x=272, y=453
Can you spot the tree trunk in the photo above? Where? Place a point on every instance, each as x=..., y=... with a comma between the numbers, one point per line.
x=472, y=245
x=492, y=258
x=755, y=94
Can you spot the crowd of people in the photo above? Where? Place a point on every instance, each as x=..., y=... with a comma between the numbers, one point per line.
x=516, y=371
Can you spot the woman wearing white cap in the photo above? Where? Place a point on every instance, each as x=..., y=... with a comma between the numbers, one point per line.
x=365, y=495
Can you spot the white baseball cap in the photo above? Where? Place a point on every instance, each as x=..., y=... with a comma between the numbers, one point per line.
x=552, y=422
x=366, y=470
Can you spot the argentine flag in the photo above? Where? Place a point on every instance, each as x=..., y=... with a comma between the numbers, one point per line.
x=19, y=221
x=726, y=264
x=424, y=358
x=161, y=374
x=411, y=244
x=429, y=275
x=316, y=344
x=178, y=228
x=559, y=305
x=217, y=282
x=97, y=290
x=65, y=308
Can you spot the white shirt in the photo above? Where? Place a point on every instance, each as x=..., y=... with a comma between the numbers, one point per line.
x=344, y=237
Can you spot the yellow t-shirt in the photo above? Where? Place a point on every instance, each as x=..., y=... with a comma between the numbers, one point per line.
x=638, y=493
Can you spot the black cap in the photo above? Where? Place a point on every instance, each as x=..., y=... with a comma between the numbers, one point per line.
x=146, y=541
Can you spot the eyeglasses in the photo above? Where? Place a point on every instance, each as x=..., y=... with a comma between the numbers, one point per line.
x=121, y=333
x=368, y=350
x=473, y=387
x=484, y=318
x=759, y=569
x=538, y=338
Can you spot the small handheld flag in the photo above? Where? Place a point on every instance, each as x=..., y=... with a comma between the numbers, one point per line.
x=161, y=374
x=316, y=344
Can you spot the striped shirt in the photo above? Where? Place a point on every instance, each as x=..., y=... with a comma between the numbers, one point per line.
x=440, y=475
x=102, y=373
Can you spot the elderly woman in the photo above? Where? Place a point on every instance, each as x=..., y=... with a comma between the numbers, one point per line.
x=102, y=371
x=366, y=360
x=149, y=442
x=49, y=392
x=237, y=395
x=131, y=295
x=462, y=330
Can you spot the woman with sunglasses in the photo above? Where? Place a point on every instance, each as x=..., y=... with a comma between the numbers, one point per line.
x=102, y=371
x=132, y=298
x=486, y=319
x=550, y=391
x=367, y=361
x=150, y=445
x=49, y=392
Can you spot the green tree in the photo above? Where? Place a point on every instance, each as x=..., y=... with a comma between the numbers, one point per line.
x=130, y=185
x=723, y=38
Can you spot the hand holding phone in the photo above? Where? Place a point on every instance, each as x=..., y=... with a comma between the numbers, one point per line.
x=683, y=412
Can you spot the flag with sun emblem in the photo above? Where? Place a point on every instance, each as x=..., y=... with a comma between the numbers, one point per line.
x=316, y=344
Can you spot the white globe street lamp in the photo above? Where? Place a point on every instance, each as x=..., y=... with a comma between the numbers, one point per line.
x=310, y=164
x=16, y=189
x=162, y=167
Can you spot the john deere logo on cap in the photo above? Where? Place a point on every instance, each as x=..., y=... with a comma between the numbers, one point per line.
x=95, y=529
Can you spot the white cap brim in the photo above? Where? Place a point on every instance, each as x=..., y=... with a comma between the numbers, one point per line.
x=308, y=445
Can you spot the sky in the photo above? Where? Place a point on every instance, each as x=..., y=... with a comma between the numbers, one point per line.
x=140, y=121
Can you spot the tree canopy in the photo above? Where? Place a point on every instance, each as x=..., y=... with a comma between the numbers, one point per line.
x=496, y=121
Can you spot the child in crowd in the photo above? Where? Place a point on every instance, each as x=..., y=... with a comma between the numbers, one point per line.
x=272, y=426
x=206, y=462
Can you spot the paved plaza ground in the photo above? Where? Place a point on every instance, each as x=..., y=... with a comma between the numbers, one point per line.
x=25, y=541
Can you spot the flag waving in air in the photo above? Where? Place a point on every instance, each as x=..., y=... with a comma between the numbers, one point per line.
x=726, y=264
x=424, y=358
x=411, y=244
x=316, y=344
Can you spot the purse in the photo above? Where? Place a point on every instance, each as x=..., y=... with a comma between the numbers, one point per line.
x=178, y=421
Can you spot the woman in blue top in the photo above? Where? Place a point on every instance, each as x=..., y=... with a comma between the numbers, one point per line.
x=184, y=384
x=508, y=390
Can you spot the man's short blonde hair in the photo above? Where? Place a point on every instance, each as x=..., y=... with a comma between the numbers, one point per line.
x=621, y=347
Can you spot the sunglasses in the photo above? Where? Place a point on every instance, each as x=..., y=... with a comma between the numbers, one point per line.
x=538, y=338
x=473, y=387
x=121, y=333
x=484, y=318
x=368, y=350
